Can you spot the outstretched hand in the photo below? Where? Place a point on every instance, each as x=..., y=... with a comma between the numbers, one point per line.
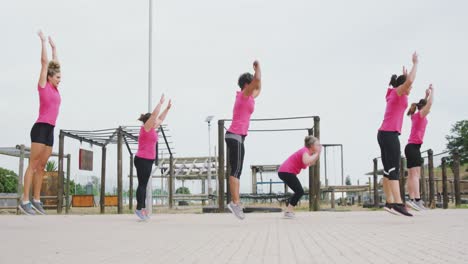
x=41, y=35
x=161, y=100
x=256, y=65
x=52, y=43
x=415, y=58
x=169, y=104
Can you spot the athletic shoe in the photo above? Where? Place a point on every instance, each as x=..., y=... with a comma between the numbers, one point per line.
x=145, y=213
x=420, y=204
x=26, y=208
x=140, y=215
x=401, y=210
x=289, y=215
x=236, y=210
x=389, y=208
x=413, y=205
x=38, y=207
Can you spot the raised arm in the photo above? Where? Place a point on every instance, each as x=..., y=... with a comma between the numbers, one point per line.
x=44, y=61
x=429, y=95
x=163, y=115
x=255, y=86
x=310, y=160
x=405, y=88
x=54, y=50
x=152, y=120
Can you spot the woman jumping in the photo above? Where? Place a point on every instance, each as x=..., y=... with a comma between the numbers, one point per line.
x=250, y=86
x=397, y=101
x=146, y=154
x=413, y=148
x=42, y=132
x=301, y=159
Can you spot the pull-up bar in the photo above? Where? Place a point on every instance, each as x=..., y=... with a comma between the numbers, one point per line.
x=314, y=171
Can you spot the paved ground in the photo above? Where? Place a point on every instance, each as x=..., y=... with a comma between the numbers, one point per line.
x=438, y=236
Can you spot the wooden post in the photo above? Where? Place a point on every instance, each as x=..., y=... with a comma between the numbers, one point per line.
x=228, y=176
x=254, y=180
x=103, y=181
x=130, y=191
x=402, y=179
x=430, y=157
x=376, y=185
x=456, y=177
x=60, y=173
x=333, y=198
x=314, y=172
x=444, y=183
x=422, y=184
x=20, y=177
x=221, y=171
x=119, y=172
x=171, y=181
x=67, y=187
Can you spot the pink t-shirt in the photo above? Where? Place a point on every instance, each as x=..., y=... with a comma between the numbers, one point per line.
x=147, y=143
x=294, y=163
x=243, y=109
x=418, y=128
x=49, y=104
x=396, y=106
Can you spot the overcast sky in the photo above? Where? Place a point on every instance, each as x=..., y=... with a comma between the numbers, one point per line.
x=328, y=58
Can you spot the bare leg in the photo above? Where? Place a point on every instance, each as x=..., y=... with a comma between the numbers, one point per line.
x=387, y=190
x=39, y=176
x=33, y=166
x=416, y=175
x=234, y=185
x=395, y=188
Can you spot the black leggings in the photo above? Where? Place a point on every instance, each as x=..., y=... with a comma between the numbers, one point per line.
x=236, y=153
x=143, y=167
x=293, y=182
x=390, y=153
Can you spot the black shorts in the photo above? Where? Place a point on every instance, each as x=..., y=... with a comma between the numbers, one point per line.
x=413, y=155
x=235, y=152
x=390, y=153
x=43, y=133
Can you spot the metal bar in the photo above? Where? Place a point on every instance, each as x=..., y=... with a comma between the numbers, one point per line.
x=171, y=182
x=221, y=171
x=82, y=139
x=130, y=191
x=274, y=119
x=431, y=178
x=376, y=185
x=119, y=173
x=103, y=181
x=60, y=172
x=165, y=140
x=278, y=130
x=444, y=183
x=67, y=186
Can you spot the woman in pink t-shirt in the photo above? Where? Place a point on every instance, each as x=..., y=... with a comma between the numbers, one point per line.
x=389, y=131
x=244, y=106
x=301, y=159
x=42, y=132
x=146, y=154
x=413, y=148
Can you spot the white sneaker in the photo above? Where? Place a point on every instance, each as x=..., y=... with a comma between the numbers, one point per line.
x=237, y=210
x=413, y=205
x=420, y=204
x=289, y=215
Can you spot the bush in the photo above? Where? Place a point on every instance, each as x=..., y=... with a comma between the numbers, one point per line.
x=8, y=181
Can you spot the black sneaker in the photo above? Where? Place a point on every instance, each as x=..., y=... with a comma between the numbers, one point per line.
x=401, y=209
x=389, y=208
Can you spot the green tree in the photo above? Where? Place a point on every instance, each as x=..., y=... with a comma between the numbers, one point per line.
x=458, y=140
x=182, y=190
x=348, y=180
x=8, y=181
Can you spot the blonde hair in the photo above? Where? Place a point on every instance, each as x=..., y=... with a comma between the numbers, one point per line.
x=310, y=141
x=53, y=68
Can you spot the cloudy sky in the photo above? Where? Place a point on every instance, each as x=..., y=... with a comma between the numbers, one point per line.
x=328, y=58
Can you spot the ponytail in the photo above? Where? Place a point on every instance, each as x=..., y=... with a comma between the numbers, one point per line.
x=393, y=80
x=412, y=109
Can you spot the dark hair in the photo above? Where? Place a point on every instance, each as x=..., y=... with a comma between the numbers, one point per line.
x=245, y=78
x=418, y=105
x=144, y=117
x=396, y=81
